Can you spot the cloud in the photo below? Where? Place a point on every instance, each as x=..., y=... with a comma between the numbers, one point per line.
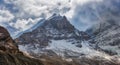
x=23, y=24
x=85, y=15
x=6, y=16
x=36, y=8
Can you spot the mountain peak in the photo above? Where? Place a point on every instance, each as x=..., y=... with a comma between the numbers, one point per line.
x=55, y=17
x=59, y=22
x=55, y=14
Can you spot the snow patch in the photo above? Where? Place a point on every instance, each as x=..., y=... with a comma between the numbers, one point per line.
x=30, y=48
x=61, y=46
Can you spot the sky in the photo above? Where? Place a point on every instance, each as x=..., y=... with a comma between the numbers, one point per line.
x=19, y=15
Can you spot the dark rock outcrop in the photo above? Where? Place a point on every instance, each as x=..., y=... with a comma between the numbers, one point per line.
x=10, y=54
x=4, y=34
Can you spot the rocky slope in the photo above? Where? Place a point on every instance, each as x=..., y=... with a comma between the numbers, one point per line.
x=107, y=37
x=55, y=36
x=10, y=54
x=106, y=33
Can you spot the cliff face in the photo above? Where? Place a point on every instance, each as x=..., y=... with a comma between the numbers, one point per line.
x=10, y=54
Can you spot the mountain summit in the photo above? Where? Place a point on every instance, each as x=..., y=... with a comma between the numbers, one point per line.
x=59, y=22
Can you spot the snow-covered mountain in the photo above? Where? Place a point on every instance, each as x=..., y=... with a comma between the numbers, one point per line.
x=106, y=33
x=55, y=36
x=107, y=36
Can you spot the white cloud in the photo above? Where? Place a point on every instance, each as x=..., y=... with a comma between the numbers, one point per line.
x=23, y=24
x=38, y=7
x=5, y=16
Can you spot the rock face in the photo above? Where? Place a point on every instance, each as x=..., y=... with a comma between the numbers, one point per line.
x=3, y=33
x=55, y=34
x=10, y=54
x=6, y=41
